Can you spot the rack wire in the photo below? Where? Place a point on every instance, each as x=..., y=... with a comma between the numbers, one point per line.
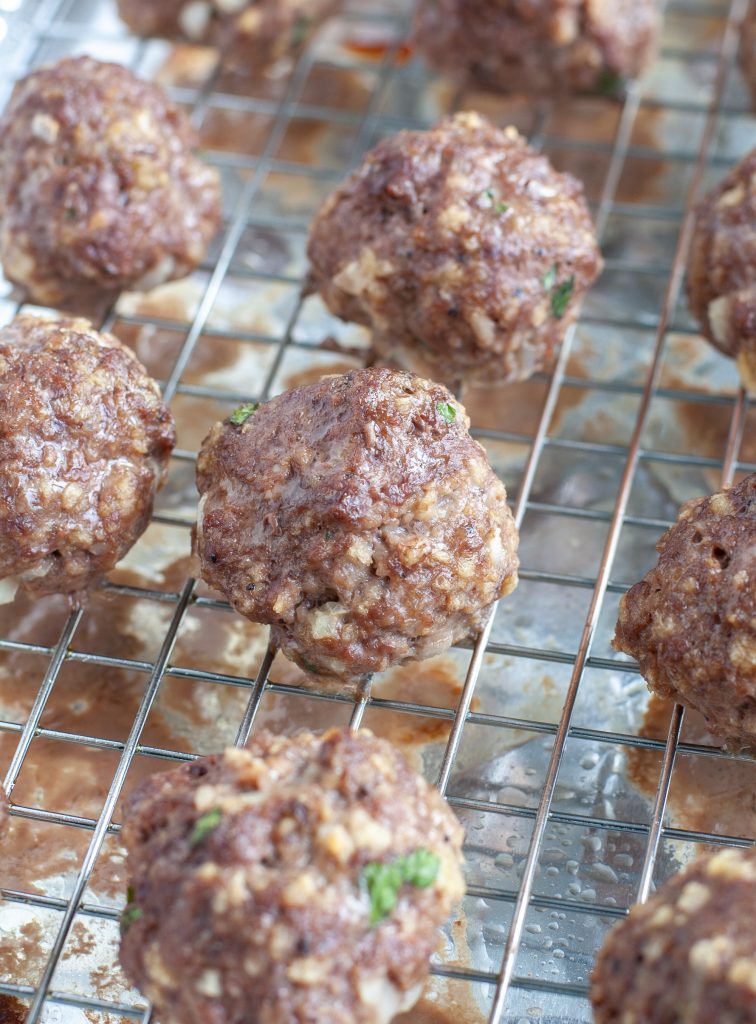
x=699, y=99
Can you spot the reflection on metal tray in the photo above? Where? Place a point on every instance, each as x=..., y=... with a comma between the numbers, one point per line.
x=541, y=737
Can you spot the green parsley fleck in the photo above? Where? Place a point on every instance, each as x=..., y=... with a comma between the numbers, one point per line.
x=309, y=666
x=299, y=31
x=610, y=83
x=560, y=297
x=383, y=881
x=549, y=278
x=241, y=415
x=489, y=194
x=490, y=201
x=446, y=411
x=70, y=213
x=205, y=825
x=131, y=911
x=502, y=207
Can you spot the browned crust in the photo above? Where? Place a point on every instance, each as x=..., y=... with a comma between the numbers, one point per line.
x=722, y=267
x=266, y=918
x=452, y=244
x=357, y=521
x=538, y=48
x=691, y=622
x=84, y=444
x=251, y=38
x=99, y=188
x=688, y=956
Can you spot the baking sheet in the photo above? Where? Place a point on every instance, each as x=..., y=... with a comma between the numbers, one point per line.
x=281, y=143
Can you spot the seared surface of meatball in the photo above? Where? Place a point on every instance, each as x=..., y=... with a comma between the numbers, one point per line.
x=691, y=622
x=358, y=518
x=462, y=248
x=722, y=267
x=251, y=36
x=529, y=46
x=688, y=956
x=84, y=444
x=748, y=50
x=99, y=189
x=261, y=883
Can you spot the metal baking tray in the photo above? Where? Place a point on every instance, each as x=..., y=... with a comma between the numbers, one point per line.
x=576, y=792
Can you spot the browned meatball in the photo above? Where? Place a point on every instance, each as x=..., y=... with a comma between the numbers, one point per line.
x=688, y=956
x=251, y=35
x=748, y=50
x=722, y=267
x=691, y=622
x=99, y=189
x=84, y=444
x=301, y=880
x=534, y=47
x=358, y=518
x=462, y=248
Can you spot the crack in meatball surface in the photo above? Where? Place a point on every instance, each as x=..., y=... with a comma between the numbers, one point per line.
x=248, y=890
x=688, y=955
x=99, y=188
x=84, y=444
x=527, y=46
x=691, y=622
x=359, y=519
x=462, y=249
x=722, y=267
x=251, y=36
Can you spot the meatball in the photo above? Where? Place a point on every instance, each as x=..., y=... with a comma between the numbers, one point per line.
x=748, y=50
x=84, y=444
x=300, y=880
x=722, y=267
x=251, y=35
x=99, y=189
x=536, y=47
x=691, y=622
x=358, y=518
x=688, y=956
x=462, y=248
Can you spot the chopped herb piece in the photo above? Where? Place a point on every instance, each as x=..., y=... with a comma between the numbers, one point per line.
x=130, y=914
x=488, y=193
x=70, y=213
x=383, y=881
x=421, y=868
x=549, y=278
x=205, y=825
x=130, y=896
x=561, y=296
x=309, y=666
x=242, y=414
x=502, y=207
x=299, y=31
x=446, y=411
x=610, y=83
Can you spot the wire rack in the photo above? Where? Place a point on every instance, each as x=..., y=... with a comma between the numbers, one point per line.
x=518, y=749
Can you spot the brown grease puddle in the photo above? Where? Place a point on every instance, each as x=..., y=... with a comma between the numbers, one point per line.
x=707, y=794
x=12, y=1010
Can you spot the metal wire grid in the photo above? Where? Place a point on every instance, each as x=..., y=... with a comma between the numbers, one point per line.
x=50, y=24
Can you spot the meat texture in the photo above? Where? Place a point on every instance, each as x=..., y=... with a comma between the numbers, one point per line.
x=691, y=622
x=84, y=444
x=688, y=956
x=301, y=880
x=99, y=188
x=533, y=47
x=722, y=267
x=461, y=247
x=358, y=518
x=251, y=36
x=748, y=50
